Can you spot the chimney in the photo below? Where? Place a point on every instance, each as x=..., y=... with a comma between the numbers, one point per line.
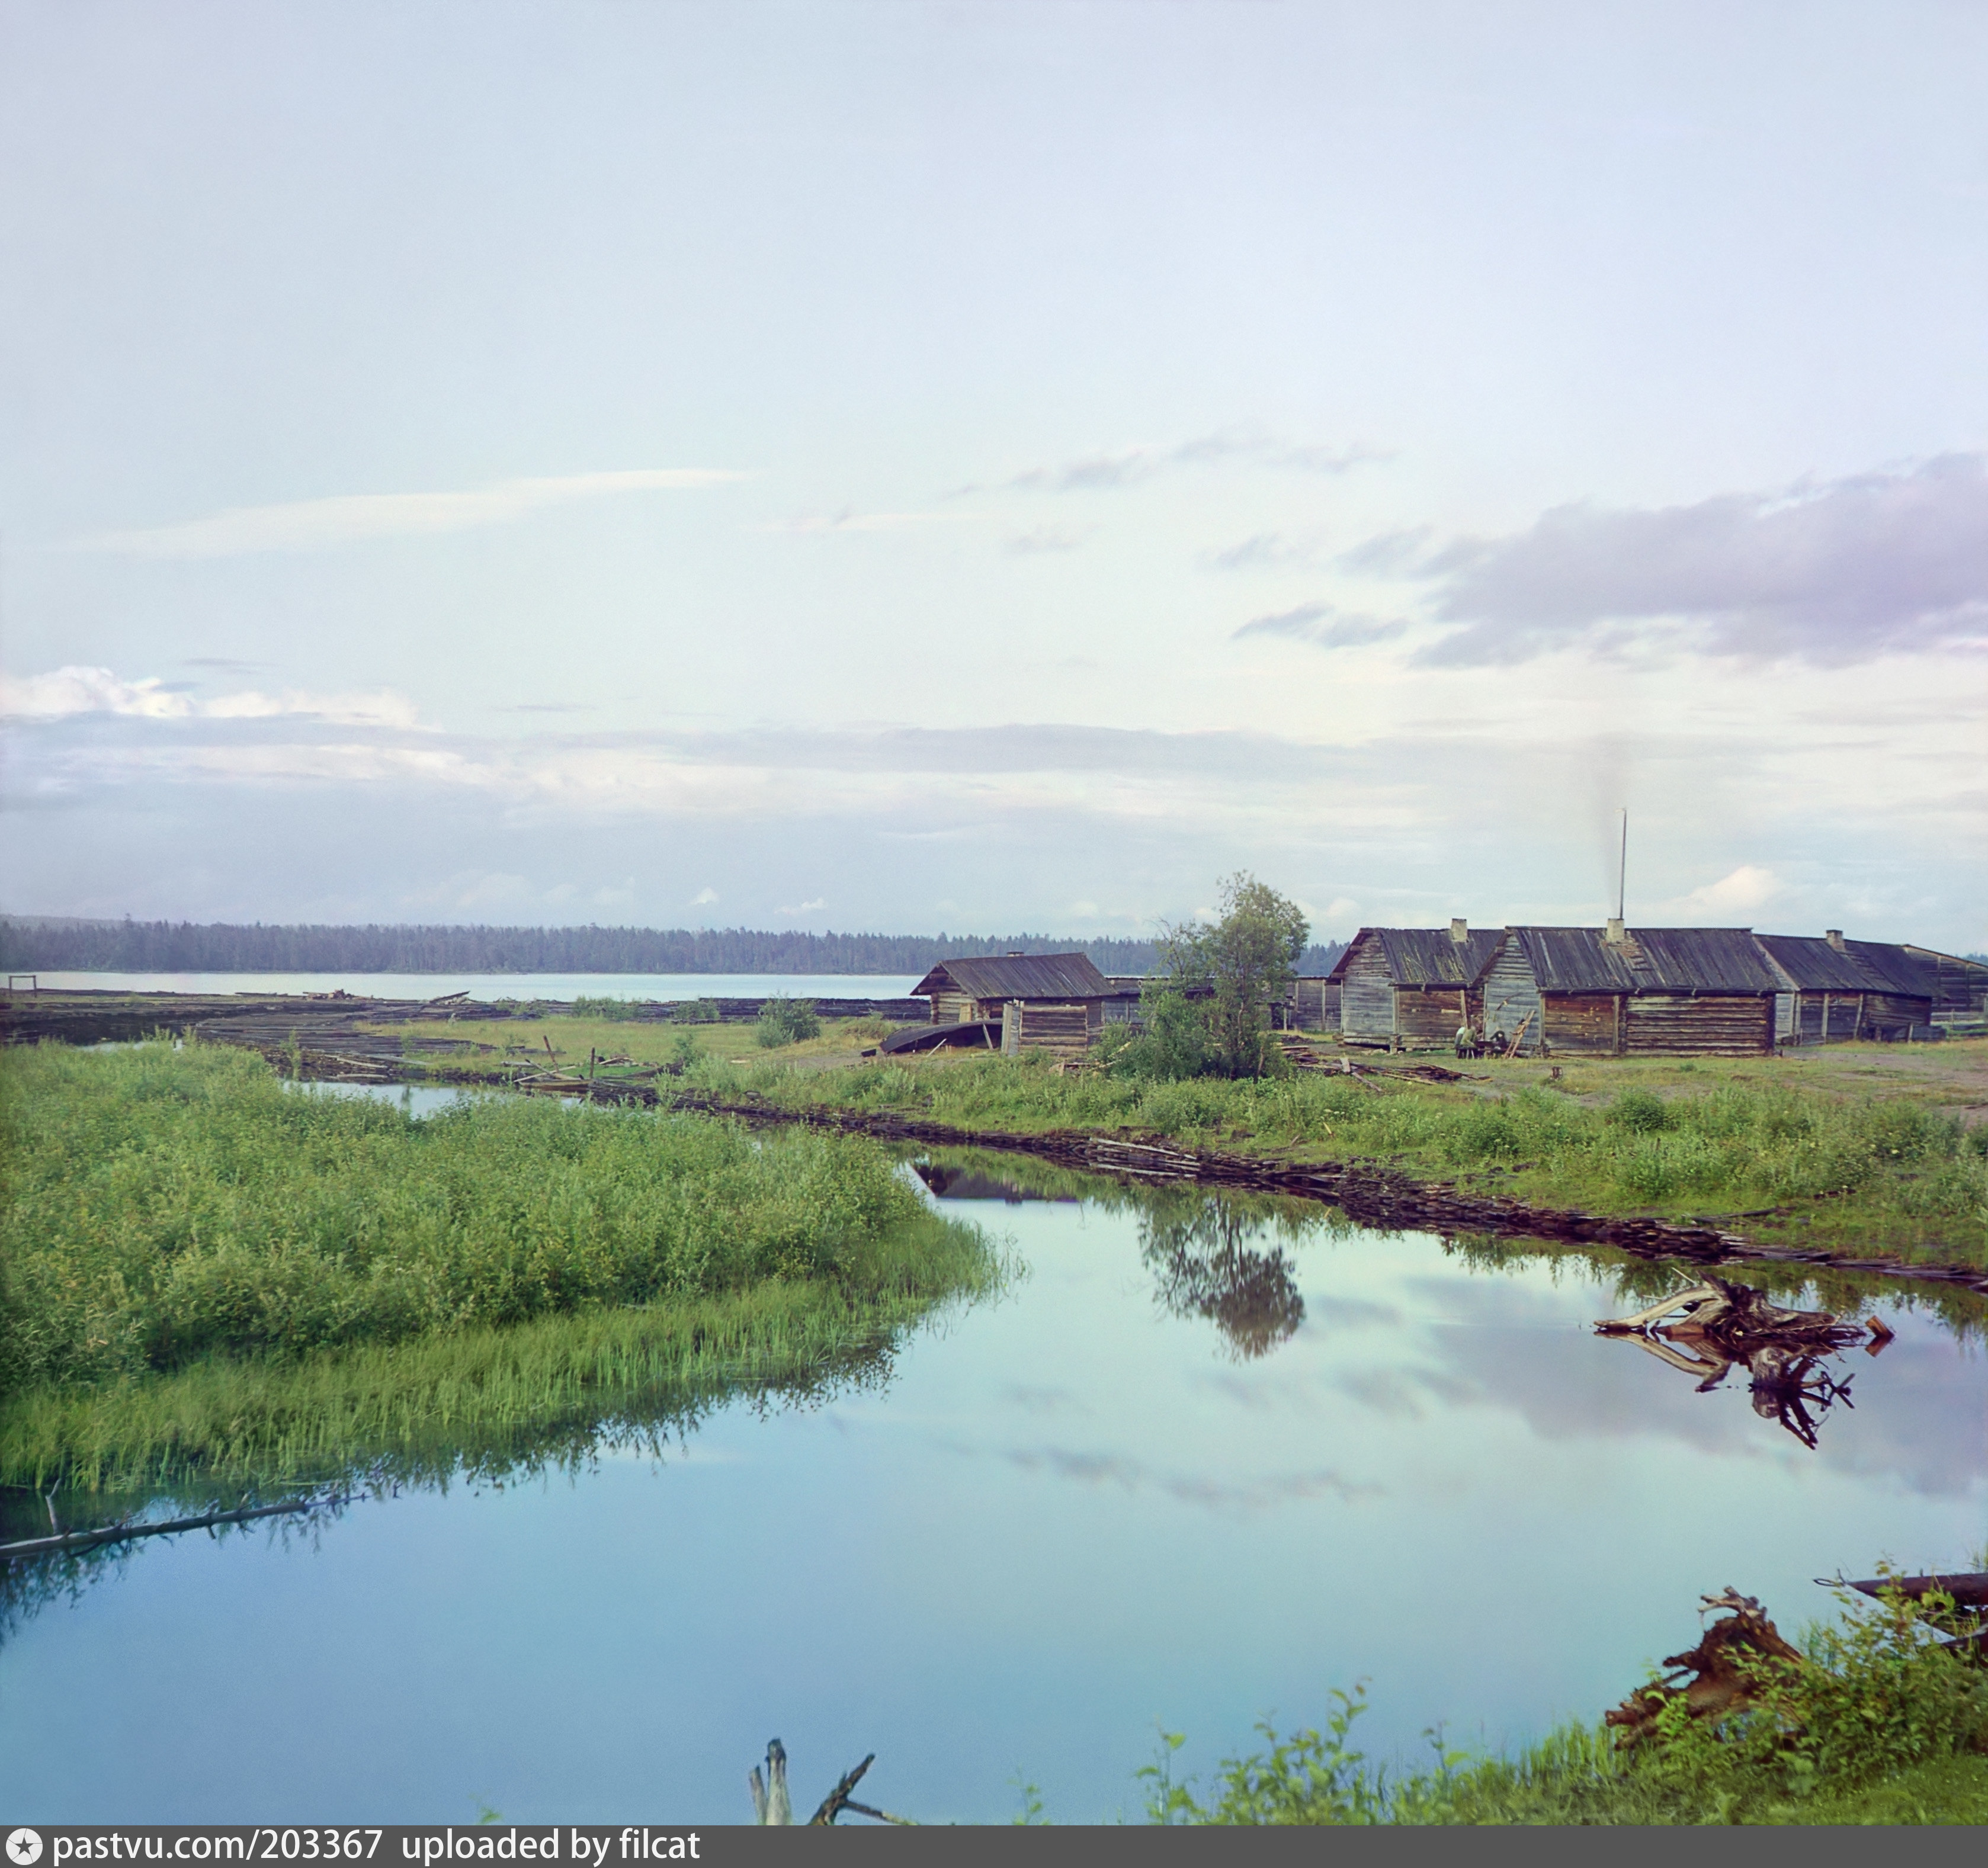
x=1834, y=938
x=1460, y=930
x=1616, y=934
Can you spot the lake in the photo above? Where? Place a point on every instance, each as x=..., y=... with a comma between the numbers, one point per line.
x=1204, y=1460
x=489, y=986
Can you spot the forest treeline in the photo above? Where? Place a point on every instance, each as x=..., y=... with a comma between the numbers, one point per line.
x=188, y=947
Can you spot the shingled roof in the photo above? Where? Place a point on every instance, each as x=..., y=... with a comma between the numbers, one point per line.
x=1426, y=956
x=1649, y=960
x=1813, y=964
x=1017, y=976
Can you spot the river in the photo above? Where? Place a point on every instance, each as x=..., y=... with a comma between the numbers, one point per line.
x=1203, y=1460
x=490, y=987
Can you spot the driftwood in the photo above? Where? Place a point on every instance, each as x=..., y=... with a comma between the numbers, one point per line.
x=1723, y=1667
x=122, y=1533
x=772, y=1805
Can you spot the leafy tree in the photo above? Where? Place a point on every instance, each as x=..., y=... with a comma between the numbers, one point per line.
x=1234, y=969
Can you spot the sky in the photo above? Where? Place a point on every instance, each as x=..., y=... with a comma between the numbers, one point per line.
x=993, y=468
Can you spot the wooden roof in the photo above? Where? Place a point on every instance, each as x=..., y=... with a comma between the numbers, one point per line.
x=1425, y=956
x=1813, y=964
x=1017, y=976
x=1647, y=960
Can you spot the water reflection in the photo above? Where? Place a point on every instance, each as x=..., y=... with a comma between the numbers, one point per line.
x=1707, y=1329
x=1206, y=1257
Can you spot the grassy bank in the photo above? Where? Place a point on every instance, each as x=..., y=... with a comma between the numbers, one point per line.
x=1875, y=1723
x=1852, y=1150
x=206, y=1273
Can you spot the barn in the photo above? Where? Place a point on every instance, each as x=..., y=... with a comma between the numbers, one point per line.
x=1840, y=991
x=1960, y=991
x=1053, y=1002
x=1615, y=990
x=1407, y=987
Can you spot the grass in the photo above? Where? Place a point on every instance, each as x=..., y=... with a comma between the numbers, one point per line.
x=205, y=1274
x=1850, y=1154
x=1876, y=1723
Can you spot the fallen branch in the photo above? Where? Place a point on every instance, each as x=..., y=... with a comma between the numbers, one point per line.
x=121, y=1533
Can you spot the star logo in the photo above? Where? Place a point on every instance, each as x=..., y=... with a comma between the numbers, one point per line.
x=24, y=1849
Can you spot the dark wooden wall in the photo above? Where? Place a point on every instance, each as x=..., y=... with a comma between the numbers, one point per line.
x=1064, y=1031
x=1430, y=1014
x=1715, y=1024
x=1583, y=1023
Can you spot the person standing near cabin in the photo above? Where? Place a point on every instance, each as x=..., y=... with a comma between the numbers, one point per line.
x=1464, y=1046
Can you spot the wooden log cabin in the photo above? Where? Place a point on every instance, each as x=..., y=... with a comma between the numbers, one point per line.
x=1960, y=991
x=1839, y=990
x=1616, y=991
x=1049, y=1002
x=1411, y=987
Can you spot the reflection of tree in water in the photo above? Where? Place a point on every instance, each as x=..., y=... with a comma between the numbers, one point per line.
x=1203, y=1253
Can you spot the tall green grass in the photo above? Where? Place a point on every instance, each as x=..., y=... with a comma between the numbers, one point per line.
x=205, y=1272
x=1903, y=1171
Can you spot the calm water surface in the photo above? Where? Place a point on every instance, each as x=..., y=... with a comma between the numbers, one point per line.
x=489, y=986
x=1189, y=1469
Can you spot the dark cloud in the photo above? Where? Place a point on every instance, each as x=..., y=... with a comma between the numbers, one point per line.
x=1322, y=626
x=1832, y=574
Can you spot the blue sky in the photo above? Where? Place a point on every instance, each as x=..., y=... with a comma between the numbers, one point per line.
x=906, y=466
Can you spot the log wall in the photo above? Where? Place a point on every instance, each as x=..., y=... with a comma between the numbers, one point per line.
x=1366, y=1003
x=1511, y=997
x=1063, y=1031
x=1430, y=1014
x=1582, y=1023
x=1711, y=1025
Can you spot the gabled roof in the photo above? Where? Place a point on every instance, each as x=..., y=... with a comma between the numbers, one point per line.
x=1017, y=976
x=1425, y=956
x=1813, y=965
x=1647, y=960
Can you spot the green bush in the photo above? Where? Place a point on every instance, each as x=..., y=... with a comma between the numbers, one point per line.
x=614, y=1010
x=1875, y=1700
x=1640, y=1109
x=695, y=1011
x=784, y=1021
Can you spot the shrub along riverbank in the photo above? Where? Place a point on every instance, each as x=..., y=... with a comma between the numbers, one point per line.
x=203, y=1272
x=1874, y=1722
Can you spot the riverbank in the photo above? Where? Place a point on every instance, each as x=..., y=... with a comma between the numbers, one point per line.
x=208, y=1274
x=1871, y=1155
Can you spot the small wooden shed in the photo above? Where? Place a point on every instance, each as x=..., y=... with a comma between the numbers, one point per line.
x=1840, y=991
x=1614, y=991
x=1314, y=1005
x=1053, y=1002
x=1406, y=986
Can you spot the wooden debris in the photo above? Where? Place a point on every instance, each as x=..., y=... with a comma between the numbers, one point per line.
x=772, y=1804
x=1723, y=1666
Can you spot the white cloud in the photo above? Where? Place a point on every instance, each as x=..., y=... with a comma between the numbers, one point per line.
x=318, y=525
x=1748, y=887
x=703, y=898
x=64, y=693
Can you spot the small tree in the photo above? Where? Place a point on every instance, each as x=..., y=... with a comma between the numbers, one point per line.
x=1237, y=967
